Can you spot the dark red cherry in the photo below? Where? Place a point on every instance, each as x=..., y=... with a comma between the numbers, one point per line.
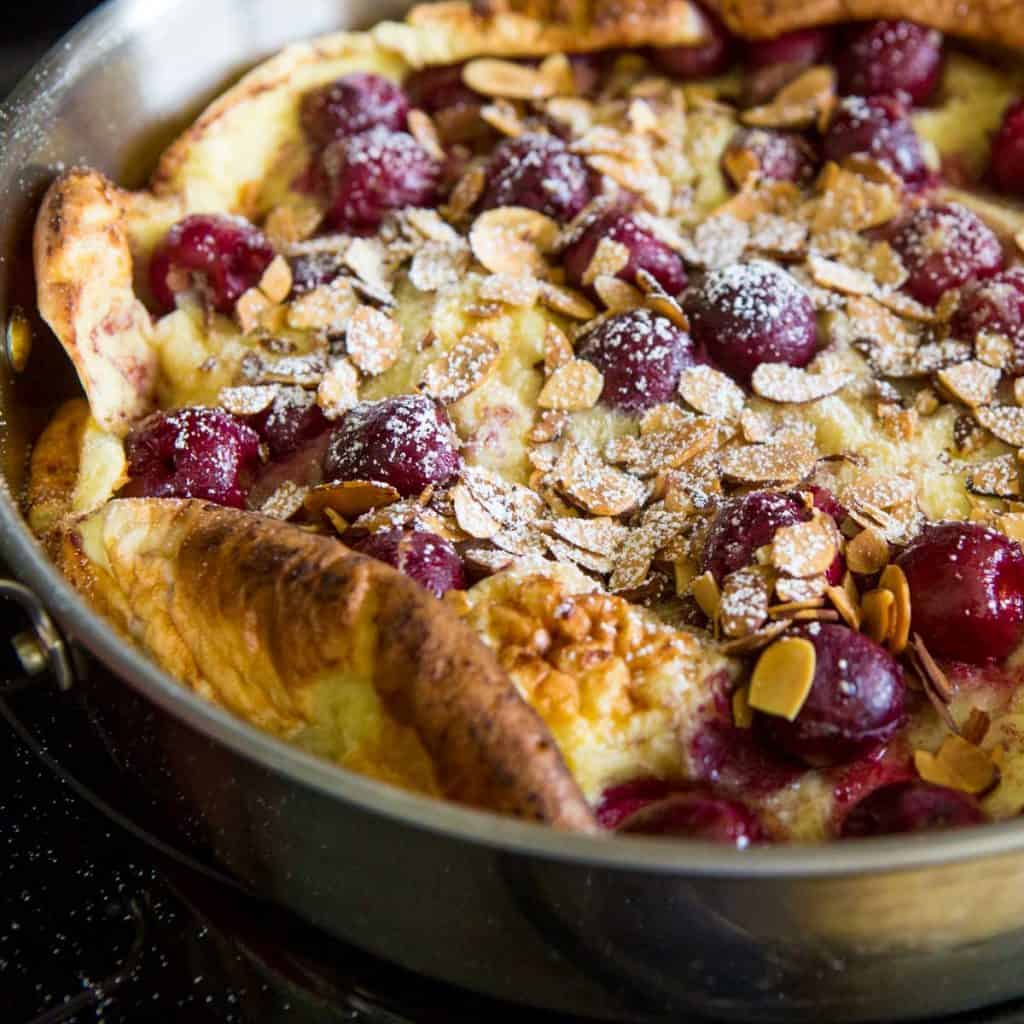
x=1008, y=151
x=828, y=503
x=440, y=88
x=222, y=256
x=966, y=591
x=995, y=306
x=704, y=60
x=698, y=815
x=781, y=156
x=539, y=172
x=856, y=700
x=645, y=252
x=641, y=355
x=406, y=442
x=293, y=419
x=943, y=247
x=913, y=806
x=619, y=802
x=885, y=58
x=879, y=127
x=354, y=103
x=192, y=453
x=800, y=49
x=423, y=556
x=374, y=173
x=752, y=313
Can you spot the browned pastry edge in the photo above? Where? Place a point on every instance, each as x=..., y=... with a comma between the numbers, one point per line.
x=280, y=607
x=993, y=21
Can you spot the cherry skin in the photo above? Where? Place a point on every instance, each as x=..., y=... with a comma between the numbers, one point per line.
x=802, y=48
x=912, y=806
x=781, y=156
x=1008, y=151
x=311, y=270
x=704, y=60
x=752, y=313
x=192, y=453
x=440, y=88
x=376, y=172
x=223, y=256
x=943, y=247
x=354, y=103
x=966, y=591
x=878, y=127
x=697, y=815
x=539, y=172
x=645, y=252
x=995, y=306
x=641, y=355
x=406, y=442
x=292, y=419
x=423, y=556
x=619, y=802
x=856, y=700
x=886, y=58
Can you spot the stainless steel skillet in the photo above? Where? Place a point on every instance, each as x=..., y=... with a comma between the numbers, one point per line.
x=624, y=929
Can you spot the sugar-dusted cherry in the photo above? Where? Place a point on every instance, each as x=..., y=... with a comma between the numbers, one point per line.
x=911, y=806
x=375, y=172
x=781, y=156
x=354, y=103
x=995, y=306
x=966, y=591
x=645, y=251
x=540, y=172
x=878, y=127
x=192, y=453
x=799, y=49
x=856, y=700
x=1008, y=151
x=423, y=556
x=289, y=422
x=641, y=355
x=221, y=256
x=407, y=442
x=945, y=246
x=698, y=815
x=746, y=314
x=887, y=58
x=711, y=57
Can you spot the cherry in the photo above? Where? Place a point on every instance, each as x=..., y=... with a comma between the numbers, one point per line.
x=222, y=256
x=375, y=172
x=406, y=441
x=354, y=103
x=801, y=49
x=996, y=306
x=540, y=172
x=292, y=419
x=856, y=700
x=879, y=127
x=781, y=156
x=192, y=453
x=423, y=556
x=440, y=88
x=885, y=58
x=645, y=252
x=966, y=591
x=731, y=759
x=1008, y=150
x=619, y=802
x=641, y=355
x=704, y=60
x=752, y=313
x=943, y=247
x=912, y=806
x=698, y=815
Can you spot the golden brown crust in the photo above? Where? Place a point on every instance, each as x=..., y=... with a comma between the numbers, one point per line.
x=258, y=613
x=53, y=468
x=994, y=21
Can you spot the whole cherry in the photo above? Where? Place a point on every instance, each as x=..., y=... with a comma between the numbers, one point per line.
x=887, y=58
x=911, y=806
x=711, y=57
x=354, y=103
x=1008, y=151
x=698, y=815
x=423, y=556
x=995, y=306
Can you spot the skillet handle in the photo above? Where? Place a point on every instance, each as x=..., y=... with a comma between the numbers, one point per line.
x=40, y=649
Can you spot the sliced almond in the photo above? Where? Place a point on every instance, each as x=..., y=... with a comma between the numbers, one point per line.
x=805, y=549
x=877, y=614
x=617, y=295
x=424, y=131
x=742, y=166
x=746, y=595
x=1012, y=524
x=846, y=601
x=285, y=501
x=1004, y=421
x=247, y=400
x=512, y=240
x=994, y=350
x=276, y=282
x=839, y=277
x=996, y=478
x=894, y=581
x=742, y=712
x=326, y=308
x=572, y=387
x=504, y=117
x=780, y=382
x=707, y=594
x=250, y=310
x=462, y=369
x=502, y=78
x=958, y=765
x=350, y=498
x=557, y=348
x=512, y=289
x=782, y=677
x=468, y=189
x=601, y=536
x=662, y=450
x=609, y=258
x=471, y=516
x=548, y=426
x=566, y=301
x=805, y=101
x=867, y=553
x=789, y=589
x=338, y=391
x=971, y=382
x=778, y=462
x=587, y=482
x=373, y=340
x=711, y=392
x=756, y=641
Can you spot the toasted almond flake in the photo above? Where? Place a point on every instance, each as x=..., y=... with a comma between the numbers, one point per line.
x=247, y=400
x=894, y=581
x=548, y=426
x=366, y=258
x=424, y=131
x=577, y=113
x=373, y=339
x=958, y=765
x=664, y=305
x=502, y=78
x=711, y=392
x=617, y=295
x=877, y=614
x=462, y=369
x=557, y=349
x=994, y=349
x=558, y=71
x=975, y=728
x=707, y=594
x=471, y=515
x=664, y=416
x=805, y=101
x=609, y=258
x=276, y=282
x=996, y=478
x=777, y=462
x=971, y=382
x=742, y=166
x=285, y=501
x=757, y=427
x=601, y=536
x=903, y=305
x=325, y=308
x=1006, y=422
x=885, y=492
x=805, y=549
x=350, y=498
x=1012, y=524
x=789, y=607
x=338, y=391
x=839, y=277
x=302, y=371
x=742, y=712
x=720, y=240
x=566, y=301
x=779, y=382
x=935, y=676
x=797, y=590
x=846, y=601
x=503, y=116
x=488, y=560
x=512, y=240
x=573, y=386
x=572, y=555
x=782, y=677
x=512, y=289
x=868, y=552
x=587, y=482
x=661, y=450
x=755, y=641
x=466, y=192
x=746, y=595
x=250, y=309
x=926, y=402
